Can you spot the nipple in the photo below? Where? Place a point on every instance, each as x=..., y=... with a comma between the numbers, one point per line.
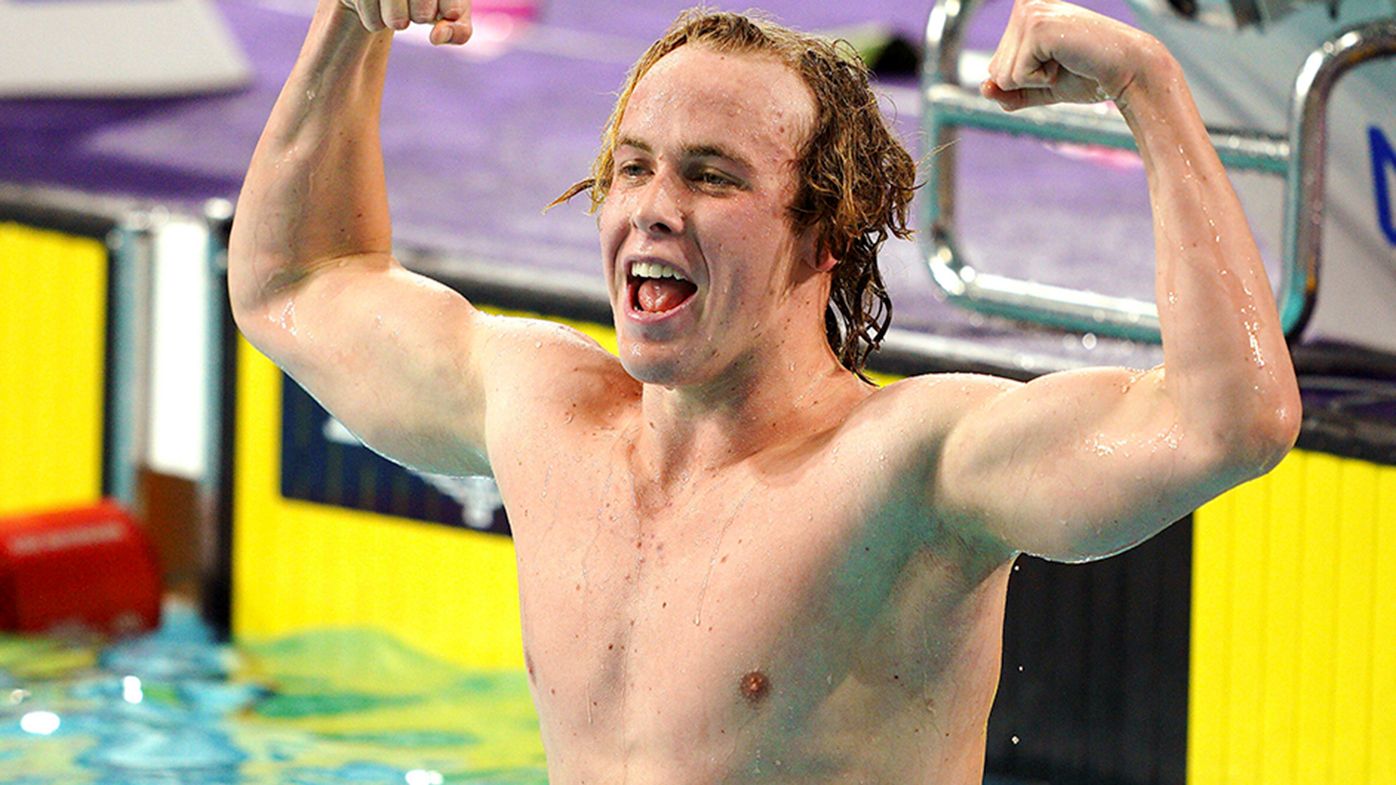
x=754, y=686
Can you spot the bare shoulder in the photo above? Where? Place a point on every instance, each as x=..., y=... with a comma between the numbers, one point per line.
x=920, y=411
x=538, y=370
x=902, y=430
x=910, y=423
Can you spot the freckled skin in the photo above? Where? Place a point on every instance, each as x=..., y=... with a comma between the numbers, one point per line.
x=736, y=561
x=698, y=537
x=791, y=606
x=720, y=234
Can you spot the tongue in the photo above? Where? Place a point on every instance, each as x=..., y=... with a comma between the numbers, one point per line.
x=661, y=294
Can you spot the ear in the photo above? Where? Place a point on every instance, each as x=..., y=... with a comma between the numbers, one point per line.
x=822, y=260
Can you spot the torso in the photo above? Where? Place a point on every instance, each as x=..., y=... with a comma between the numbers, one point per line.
x=795, y=617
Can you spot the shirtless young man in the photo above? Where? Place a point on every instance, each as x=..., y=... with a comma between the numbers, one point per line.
x=738, y=561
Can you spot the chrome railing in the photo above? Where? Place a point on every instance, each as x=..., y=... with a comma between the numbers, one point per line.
x=1298, y=157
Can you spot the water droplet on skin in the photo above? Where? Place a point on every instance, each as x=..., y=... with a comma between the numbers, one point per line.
x=538, y=344
x=287, y=320
x=1170, y=437
x=1172, y=298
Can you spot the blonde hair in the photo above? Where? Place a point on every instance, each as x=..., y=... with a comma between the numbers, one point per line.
x=855, y=179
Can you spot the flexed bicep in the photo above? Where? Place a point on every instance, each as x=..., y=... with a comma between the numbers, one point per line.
x=1085, y=463
x=419, y=374
x=1079, y=464
x=388, y=352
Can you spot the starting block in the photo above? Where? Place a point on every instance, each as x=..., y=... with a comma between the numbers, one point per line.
x=83, y=569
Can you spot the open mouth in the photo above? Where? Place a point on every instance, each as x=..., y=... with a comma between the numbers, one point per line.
x=656, y=289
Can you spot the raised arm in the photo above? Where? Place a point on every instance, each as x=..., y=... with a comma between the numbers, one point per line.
x=1083, y=464
x=398, y=358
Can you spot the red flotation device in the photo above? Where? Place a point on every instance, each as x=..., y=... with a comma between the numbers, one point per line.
x=89, y=568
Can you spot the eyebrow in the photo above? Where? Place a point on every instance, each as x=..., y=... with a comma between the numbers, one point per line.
x=689, y=151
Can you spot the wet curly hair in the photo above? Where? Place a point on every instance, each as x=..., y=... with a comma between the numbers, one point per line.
x=855, y=178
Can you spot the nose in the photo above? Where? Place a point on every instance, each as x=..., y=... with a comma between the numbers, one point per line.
x=657, y=210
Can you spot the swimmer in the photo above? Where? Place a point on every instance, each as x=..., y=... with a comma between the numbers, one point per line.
x=737, y=559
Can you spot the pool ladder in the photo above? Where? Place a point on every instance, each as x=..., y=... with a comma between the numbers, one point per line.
x=1297, y=156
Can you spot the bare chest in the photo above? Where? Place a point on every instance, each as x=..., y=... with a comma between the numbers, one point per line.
x=748, y=597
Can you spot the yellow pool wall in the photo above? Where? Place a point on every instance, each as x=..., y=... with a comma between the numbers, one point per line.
x=53, y=311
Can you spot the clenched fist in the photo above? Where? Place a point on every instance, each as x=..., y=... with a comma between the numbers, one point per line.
x=450, y=19
x=1054, y=52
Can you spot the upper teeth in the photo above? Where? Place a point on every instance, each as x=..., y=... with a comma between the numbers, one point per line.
x=655, y=270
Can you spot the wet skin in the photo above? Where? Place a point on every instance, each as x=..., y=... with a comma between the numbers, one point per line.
x=752, y=591
x=791, y=617
x=738, y=562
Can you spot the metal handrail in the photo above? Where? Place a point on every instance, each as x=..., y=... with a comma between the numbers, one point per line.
x=1297, y=156
x=1308, y=139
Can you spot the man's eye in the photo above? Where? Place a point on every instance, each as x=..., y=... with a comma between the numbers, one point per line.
x=632, y=170
x=715, y=178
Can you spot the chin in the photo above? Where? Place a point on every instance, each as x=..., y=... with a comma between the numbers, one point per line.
x=645, y=367
x=662, y=365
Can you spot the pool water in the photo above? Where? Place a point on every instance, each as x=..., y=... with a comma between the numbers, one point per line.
x=320, y=708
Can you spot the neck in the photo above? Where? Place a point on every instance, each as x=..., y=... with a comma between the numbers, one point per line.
x=761, y=401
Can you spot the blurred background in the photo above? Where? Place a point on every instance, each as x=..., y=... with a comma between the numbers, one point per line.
x=176, y=511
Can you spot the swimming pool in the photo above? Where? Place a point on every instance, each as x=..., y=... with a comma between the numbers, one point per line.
x=315, y=708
